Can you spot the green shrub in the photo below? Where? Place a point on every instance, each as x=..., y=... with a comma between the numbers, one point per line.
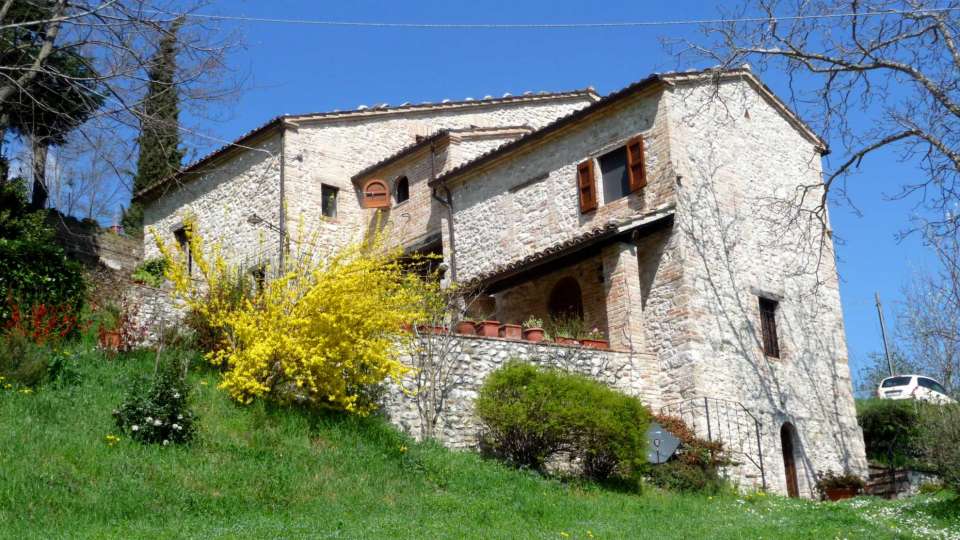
x=532, y=414
x=150, y=272
x=22, y=361
x=34, y=270
x=891, y=430
x=156, y=410
x=677, y=475
x=940, y=442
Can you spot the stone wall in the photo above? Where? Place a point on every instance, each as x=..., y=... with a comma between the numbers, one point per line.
x=530, y=202
x=741, y=163
x=477, y=357
x=332, y=151
x=220, y=199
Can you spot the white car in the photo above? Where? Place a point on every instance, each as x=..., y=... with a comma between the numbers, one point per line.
x=913, y=387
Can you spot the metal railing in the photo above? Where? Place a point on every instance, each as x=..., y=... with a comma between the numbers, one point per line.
x=726, y=421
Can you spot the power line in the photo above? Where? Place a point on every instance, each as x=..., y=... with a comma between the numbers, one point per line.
x=561, y=26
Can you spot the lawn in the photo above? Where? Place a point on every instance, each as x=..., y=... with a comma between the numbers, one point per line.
x=257, y=472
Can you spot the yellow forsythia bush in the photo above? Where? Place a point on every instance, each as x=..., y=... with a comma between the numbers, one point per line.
x=321, y=333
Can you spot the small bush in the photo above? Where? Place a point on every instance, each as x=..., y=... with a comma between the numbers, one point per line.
x=156, y=410
x=940, y=442
x=531, y=415
x=22, y=361
x=696, y=465
x=150, y=272
x=677, y=475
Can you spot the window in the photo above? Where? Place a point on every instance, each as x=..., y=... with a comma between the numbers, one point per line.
x=613, y=172
x=768, y=327
x=931, y=384
x=895, y=381
x=376, y=194
x=328, y=200
x=183, y=240
x=403, y=189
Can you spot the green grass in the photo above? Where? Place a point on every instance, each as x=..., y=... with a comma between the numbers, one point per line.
x=257, y=472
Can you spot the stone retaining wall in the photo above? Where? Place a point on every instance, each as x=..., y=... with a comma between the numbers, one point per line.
x=476, y=357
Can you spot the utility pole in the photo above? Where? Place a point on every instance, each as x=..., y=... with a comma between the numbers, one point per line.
x=883, y=334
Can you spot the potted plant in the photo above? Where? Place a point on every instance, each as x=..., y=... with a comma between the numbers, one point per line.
x=467, y=328
x=109, y=329
x=511, y=331
x=533, y=329
x=835, y=487
x=564, y=329
x=595, y=339
x=488, y=328
x=109, y=339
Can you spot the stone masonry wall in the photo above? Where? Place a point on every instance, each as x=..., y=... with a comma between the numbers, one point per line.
x=410, y=222
x=741, y=163
x=332, y=151
x=530, y=202
x=478, y=357
x=221, y=200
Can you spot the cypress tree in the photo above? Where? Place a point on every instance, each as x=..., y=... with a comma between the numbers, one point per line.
x=159, y=139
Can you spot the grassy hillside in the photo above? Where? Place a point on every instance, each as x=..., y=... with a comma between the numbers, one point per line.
x=262, y=473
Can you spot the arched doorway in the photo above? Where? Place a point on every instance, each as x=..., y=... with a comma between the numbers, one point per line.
x=787, y=438
x=566, y=300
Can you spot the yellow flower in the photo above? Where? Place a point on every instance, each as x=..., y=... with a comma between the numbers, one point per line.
x=403, y=449
x=26, y=390
x=565, y=535
x=8, y=386
x=112, y=439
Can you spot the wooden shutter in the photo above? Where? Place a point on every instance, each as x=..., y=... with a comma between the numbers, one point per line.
x=375, y=194
x=586, y=186
x=635, y=165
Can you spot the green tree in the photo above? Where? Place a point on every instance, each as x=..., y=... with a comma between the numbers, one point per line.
x=56, y=98
x=159, y=140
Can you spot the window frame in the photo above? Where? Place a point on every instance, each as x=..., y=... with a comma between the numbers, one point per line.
x=182, y=237
x=324, y=188
x=769, y=333
x=405, y=181
x=624, y=180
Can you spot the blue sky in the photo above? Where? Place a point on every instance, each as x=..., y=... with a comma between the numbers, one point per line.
x=302, y=68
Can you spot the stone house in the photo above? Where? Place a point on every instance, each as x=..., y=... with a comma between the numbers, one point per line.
x=660, y=214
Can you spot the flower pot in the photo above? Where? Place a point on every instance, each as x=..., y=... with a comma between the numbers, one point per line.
x=840, y=493
x=511, y=331
x=406, y=327
x=431, y=329
x=467, y=328
x=565, y=341
x=595, y=343
x=488, y=328
x=110, y=340
x=533, y=334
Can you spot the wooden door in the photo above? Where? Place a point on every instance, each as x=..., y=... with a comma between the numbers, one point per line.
x=789, y=463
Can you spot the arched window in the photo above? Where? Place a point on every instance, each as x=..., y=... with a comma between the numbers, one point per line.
x=375, y=194
x=403, y=189
x=566, y=300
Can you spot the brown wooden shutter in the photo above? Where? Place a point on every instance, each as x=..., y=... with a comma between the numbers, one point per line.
x=635, y=165
x=375, y=194
x=586, y=186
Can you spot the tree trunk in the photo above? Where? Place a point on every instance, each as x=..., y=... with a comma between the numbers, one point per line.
x=38, y=200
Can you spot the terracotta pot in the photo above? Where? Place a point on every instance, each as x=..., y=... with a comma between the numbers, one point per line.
x=488, y=328
x=511, y=331
x=467, y=328
x=566, y=341
x=840, y=493
x=595, y=343
x=110, y=340
x=406, y=327
x=533, y=334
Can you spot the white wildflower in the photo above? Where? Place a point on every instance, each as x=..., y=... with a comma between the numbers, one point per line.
x=166, y=442
x=135, y=428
